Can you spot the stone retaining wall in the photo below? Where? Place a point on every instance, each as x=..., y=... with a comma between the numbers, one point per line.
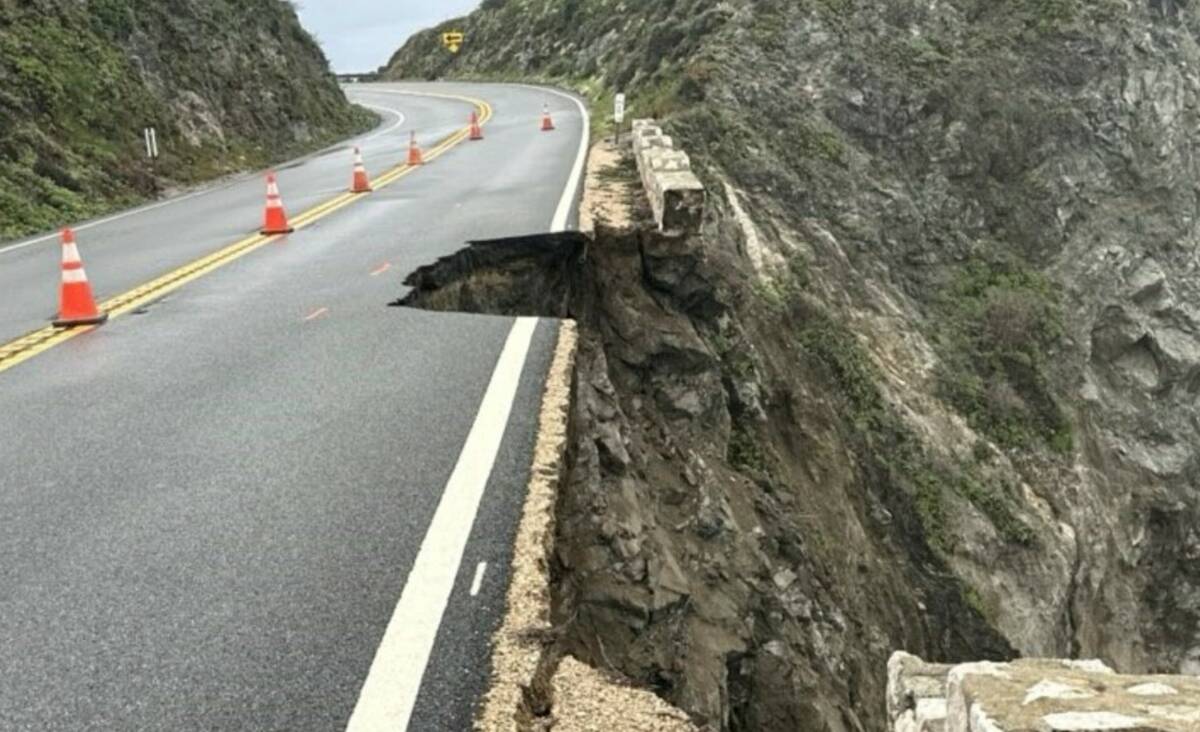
x=676, y=194
x=1036, y=696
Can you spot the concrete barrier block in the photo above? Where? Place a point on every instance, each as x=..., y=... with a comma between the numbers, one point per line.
x=682, y=202
x=912, y=680
x=1046, y=695
x=642, y=133
x=639, y=140
x=649, y=141
x=662, y=159
x=676, y=195
x=1055, y=697
x=647, y=130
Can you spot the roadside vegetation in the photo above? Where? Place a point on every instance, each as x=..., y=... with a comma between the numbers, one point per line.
x=228, y=86
x=1001, y=327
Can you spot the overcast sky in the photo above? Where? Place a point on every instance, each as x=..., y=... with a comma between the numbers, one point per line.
x=361, y=35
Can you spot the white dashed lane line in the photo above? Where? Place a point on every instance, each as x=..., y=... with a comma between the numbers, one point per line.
x=477, y=583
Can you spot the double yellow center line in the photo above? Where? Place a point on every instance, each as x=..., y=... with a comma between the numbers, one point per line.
x=26, y=347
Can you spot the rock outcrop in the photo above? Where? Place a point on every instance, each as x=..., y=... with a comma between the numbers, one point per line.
x=674, y=598
x=1043, y=695
x=925, y=378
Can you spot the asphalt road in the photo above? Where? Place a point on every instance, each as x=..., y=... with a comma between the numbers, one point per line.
x=211, y=508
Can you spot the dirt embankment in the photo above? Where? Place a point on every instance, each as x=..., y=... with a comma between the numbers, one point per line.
x=717, y=540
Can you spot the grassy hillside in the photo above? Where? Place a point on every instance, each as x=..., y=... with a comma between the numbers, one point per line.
x=227, y=83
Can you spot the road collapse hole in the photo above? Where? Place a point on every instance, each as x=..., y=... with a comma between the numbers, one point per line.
x=539, y=275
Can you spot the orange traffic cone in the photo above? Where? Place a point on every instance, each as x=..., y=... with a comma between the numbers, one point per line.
x=275, y=219
x=76, y=304
x=414, y=152
x=359, y=183
x=476, y=130
x=547, y=122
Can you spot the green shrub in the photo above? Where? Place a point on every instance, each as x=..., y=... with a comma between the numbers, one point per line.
x=744, y=452
x=883, y=438
x=998, y=324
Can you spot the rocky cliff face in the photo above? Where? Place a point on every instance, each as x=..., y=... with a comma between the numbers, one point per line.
x=928, y=377
x=229, y=85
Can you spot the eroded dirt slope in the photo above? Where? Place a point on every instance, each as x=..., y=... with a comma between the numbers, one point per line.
x=926, y=379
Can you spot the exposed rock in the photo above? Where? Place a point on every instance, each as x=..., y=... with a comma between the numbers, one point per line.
x=676, y=569
x=1038, y=694
x=941, y=323
x=1062, y=697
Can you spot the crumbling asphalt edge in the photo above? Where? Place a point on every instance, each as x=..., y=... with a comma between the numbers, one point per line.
x=519, y=643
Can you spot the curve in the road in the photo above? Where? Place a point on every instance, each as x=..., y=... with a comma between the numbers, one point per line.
x=400, y=118
x=30, y=345
x=390, y=692
x=213, y=508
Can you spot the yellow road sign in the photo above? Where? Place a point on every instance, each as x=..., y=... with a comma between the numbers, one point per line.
x=453, y=41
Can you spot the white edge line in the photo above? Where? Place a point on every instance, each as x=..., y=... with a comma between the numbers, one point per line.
x=563, y=212
x=221, y=185
x=477, y=583
x=400, y=119
x=389, y=693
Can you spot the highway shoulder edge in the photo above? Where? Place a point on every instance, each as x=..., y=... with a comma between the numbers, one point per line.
x=517, y=648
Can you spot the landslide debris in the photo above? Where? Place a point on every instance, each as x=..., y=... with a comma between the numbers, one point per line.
x=229, y=85
x=928, y=377
x=688, y=559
